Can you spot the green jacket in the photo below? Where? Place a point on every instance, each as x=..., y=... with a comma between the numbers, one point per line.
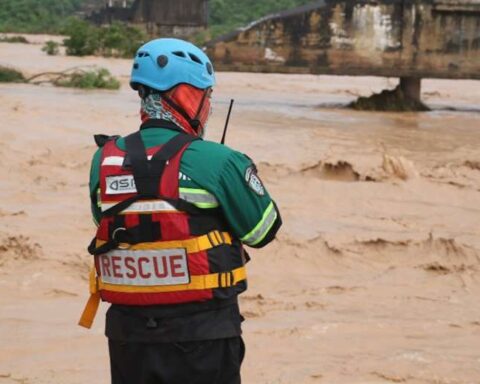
x=212, y=176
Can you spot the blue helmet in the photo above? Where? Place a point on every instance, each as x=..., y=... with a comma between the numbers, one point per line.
x=162, y=64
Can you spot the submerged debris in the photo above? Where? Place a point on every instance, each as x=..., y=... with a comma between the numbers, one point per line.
x=86, y=77
x=389, y=100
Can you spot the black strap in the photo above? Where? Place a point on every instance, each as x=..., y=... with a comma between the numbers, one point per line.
x=137, y=154
x=173, y=146
x=147, y=173
x=133, y=235
x=179, y=204
x=195, y=122
x=101, y=140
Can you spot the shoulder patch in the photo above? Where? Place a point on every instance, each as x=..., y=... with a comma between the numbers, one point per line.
x=253, y=181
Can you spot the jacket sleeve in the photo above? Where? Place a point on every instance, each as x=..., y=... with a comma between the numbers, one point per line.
x=94, y=185
x=252, y=214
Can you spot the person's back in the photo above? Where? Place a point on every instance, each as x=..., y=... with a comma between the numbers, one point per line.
x=173, y=212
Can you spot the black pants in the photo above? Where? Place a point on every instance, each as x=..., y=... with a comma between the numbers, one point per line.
x=193, y=362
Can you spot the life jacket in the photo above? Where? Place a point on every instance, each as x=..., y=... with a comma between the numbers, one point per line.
x=153, y=247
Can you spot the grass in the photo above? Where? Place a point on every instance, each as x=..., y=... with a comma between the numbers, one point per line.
x=13, y=39
x=10, y=75
x=94, y=79
x=51, y=48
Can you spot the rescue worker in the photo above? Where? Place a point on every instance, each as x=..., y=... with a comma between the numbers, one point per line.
x=173, y=213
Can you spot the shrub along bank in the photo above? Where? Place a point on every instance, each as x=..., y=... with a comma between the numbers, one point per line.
x=115, y=40
x=85, y=78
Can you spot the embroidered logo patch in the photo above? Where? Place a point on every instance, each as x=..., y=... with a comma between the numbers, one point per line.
x=254, y=181
x=117, y=185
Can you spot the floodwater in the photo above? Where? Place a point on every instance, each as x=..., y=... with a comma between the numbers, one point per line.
x=374, y=277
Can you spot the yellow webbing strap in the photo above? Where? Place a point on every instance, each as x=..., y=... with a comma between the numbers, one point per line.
x=211, y=281
x=90, y=311
x=196, y=244
x=88, y=315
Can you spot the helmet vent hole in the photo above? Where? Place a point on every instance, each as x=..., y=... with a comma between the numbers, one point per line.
x=179, y=54
x=162, y=61
x=209, y=68
x=195, y=58
x=143, y=54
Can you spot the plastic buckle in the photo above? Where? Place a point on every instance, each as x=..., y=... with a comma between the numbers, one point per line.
x=211, y=239
x=225, y=279
x=222, y=237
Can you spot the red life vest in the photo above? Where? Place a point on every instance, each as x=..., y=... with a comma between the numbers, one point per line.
x=152, y=247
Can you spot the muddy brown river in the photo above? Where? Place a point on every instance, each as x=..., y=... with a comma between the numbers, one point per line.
x=374, y=278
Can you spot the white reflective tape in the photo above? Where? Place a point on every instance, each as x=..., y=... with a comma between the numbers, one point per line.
x=117, y=160
x=113, y=160
x=144, y=206
x=145, y=268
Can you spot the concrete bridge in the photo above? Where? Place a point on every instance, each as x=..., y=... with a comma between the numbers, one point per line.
x=409, y=39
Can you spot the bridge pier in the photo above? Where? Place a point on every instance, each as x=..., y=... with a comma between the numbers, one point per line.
x=411, y=87
x=406, y=96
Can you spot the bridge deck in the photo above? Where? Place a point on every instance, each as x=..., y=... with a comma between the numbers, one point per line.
x=392, y=38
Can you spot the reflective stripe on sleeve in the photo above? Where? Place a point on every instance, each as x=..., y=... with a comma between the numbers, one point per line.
x=263, y=227
x=99, y=198
x=199, y=197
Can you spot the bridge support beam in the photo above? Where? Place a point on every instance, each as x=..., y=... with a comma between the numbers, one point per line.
x=411, y=87
x=405, y=97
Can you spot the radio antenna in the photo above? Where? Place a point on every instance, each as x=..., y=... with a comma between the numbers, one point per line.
x=227, y=121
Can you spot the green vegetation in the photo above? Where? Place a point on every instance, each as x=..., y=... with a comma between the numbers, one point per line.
x=36, y=16
x=227, y=15
x=52, y=48
x=13, y=39
x=82, y=38
x=10, y=75
x=94, y=79
x=51, y=16
x=117, y=39
x=121, y=40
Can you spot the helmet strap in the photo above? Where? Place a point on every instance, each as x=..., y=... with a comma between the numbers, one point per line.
x=194, y=122
x=143, y=91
